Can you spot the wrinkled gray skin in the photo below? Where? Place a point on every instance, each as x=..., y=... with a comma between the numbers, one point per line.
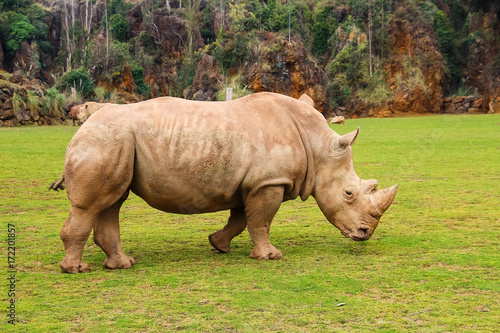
x=247, y=156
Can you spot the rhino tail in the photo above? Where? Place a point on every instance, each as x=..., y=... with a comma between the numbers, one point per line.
x=57, y=185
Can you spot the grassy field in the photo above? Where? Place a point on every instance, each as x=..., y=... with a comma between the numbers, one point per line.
x=432, y=265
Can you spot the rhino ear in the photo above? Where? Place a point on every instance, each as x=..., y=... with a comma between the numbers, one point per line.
x=347, y=140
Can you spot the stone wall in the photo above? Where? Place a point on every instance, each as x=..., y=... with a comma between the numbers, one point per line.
x=15, y=110
x=464, y=104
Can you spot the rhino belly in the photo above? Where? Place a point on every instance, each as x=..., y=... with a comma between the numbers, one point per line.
x=188, y=173
x=178, y=196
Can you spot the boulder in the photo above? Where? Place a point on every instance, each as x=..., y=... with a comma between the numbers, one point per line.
x=469, y=99
x=7, y=110
x=13, y=122
x=22, y=115
x=449, y=108
x=478, y=103
x=337, y=120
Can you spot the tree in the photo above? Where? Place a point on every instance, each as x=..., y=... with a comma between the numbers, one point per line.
x=323, y=28
x=192, y=9
x=239, y=15
x=68, y=24
x=119, y=27
x=20, y=29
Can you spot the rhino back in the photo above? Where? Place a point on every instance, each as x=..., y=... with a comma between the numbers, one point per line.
x=193, y=157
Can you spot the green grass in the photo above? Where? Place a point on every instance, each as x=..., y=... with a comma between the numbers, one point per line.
x=432, y=265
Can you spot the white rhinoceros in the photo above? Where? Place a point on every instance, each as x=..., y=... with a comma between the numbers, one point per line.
x=248, y=155
x=88, y=109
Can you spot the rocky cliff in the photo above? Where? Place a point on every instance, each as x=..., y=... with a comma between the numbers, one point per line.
x=394, y=58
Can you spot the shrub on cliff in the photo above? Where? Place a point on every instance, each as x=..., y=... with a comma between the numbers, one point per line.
x=53, y=103
x=324, y=26
x=445, y=34
x=78, y=80
x=20, y=29
x=119, y=27
x=142, y=87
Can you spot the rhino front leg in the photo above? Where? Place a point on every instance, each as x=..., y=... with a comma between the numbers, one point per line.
x=74, y=234
x=221, y=240
x=107, y=237
x=260, y=208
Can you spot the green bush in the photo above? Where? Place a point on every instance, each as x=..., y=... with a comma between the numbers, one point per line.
x=240, y=50
x=33, y=102
x=53, y=103
x=20, y=29
x=18, y=102
x=36, y=16
x=100, y=93
x=376, y=92
x=118, y=7
x=142, y=87
x=351, y=63
x=185, y=77
x=338, y=91
x=79, y=80
x=445, y=34
x=119, y=54
x=323, y=28
x=119, y=27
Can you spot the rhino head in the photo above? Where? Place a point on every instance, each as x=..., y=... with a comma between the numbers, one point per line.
x=351, y=204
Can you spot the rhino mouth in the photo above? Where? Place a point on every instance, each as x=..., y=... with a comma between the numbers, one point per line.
x=361, y=234
x=364, y=232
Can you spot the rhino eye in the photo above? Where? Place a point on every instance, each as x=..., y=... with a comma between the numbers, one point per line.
x=349, y=196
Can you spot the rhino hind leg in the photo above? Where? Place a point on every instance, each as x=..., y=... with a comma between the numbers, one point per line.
x=107, y=237
x=261, y=206
x=74, y=234
x=221, y=240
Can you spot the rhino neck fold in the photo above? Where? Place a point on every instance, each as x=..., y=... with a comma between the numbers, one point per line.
x=307, y=185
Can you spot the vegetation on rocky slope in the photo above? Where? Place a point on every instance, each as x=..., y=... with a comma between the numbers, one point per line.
x=354, y=57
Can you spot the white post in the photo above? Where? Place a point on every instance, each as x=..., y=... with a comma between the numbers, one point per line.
x=229, y=94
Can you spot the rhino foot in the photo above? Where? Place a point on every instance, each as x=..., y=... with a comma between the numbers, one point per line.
x=119, y=262
x=79, y=267
x=219, y=242
x=265, y=253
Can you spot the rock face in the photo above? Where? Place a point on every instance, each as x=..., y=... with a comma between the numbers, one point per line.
x=283, y=67
x=483, y=60
x=134, y=19
x=1, y=54
x=25, y=62
x=418, y=86
x=207, y=80
x=176, y=61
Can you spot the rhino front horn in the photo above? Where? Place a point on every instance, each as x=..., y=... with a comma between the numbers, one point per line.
x=382, y=199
